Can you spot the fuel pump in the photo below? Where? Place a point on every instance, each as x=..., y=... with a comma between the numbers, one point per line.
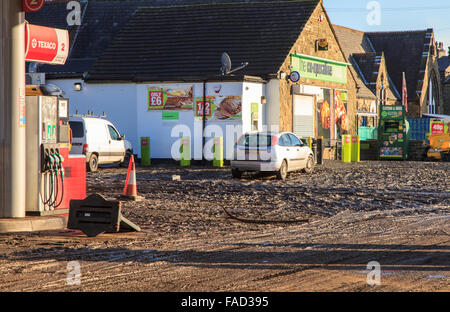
x=47, y=141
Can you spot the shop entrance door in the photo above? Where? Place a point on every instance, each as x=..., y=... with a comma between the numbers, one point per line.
x=303, y=116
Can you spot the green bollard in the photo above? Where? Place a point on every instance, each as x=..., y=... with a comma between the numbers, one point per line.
x=346, y=148
x=185, y=152
x=356, y=148
x=145, y=151
x=218, y=152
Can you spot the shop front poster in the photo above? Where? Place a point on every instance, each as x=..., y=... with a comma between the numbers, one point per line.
x=228, y=108
x=170, y=98
x=340, y=108
x=323, y=114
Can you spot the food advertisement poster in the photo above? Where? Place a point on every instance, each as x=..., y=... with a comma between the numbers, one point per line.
x=340, y=108
x=228, y=108
x=209, y=108
x=170, y=98
x=323, y=115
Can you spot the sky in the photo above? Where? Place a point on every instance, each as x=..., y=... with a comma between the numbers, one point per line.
x=388, y=15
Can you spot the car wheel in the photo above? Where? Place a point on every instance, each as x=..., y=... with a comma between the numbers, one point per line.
x=126, y=160
x=309, y=165
x=282, y=173
x=92, y=165
x=237, y=174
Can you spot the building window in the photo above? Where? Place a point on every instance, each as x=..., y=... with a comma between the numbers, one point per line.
x=364, y=121
x=433, y=95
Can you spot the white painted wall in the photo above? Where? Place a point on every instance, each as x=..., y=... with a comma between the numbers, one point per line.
x=126, y=106
x=164, y=135
x=229, y=129
x=252, y=94
x=117, y=100
x=272, y=107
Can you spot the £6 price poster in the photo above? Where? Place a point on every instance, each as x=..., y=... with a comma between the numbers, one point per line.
x=156, y=99
x=209, y=108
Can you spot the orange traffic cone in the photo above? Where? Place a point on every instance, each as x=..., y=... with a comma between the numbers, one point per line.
x=130, y=189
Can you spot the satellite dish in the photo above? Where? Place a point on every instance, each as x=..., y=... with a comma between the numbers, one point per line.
x=226, y=63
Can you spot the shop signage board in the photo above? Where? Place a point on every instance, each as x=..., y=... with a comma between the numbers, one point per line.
x=46, y=45
x=437, y=127
x=310, y=67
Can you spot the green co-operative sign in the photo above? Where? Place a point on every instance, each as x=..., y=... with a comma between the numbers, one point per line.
x=316, y=68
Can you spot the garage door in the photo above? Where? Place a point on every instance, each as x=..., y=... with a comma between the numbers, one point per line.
x=303, y=119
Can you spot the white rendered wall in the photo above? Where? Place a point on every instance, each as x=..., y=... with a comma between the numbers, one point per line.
x=117, y=100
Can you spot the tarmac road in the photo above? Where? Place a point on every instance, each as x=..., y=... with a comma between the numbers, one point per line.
x=394, y=213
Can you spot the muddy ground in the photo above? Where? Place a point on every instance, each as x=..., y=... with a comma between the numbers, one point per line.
x=395, y=213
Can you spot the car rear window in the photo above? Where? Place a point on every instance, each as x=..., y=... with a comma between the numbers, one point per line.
x=77, y=129
x=255, y=140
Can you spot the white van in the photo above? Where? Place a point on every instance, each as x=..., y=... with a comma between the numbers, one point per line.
x=100, y=141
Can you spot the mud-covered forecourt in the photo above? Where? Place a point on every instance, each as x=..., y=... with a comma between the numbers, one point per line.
x=394, y=213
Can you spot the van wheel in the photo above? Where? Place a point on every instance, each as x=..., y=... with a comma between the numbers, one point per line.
x=282, y=173
x=309, y=165
x=92, y=165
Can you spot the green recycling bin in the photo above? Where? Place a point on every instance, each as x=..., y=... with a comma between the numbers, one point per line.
x=185, y=151
x=346, y=148
x=356, y=148
x=145, y=151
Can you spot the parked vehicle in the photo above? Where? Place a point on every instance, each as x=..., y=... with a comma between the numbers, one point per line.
x=99, y=140
x=268, y=151
x=439, y=147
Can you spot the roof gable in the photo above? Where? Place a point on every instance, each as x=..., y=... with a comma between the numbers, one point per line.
x=404, y=52
x=186, y=42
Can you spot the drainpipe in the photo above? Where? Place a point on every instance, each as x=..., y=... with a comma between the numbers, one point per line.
x=204, y=122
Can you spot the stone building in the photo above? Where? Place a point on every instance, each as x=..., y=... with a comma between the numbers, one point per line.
x=411, y=52
x=374, y=85
x=444, y=69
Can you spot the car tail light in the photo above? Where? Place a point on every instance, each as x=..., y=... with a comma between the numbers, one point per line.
x=274, y=140
x=85, y=148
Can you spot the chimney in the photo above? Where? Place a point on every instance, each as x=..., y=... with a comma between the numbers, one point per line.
x=440, y=49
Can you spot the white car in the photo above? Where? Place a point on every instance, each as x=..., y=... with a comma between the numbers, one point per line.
x=99, y=140
x=268, y=151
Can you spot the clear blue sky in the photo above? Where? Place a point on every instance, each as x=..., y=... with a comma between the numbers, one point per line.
x=395, y=15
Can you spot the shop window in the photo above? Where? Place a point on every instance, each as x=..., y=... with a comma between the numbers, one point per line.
x=364, y=121
x=341, y=117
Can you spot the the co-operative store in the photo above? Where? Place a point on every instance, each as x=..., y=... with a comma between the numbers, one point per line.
x=165, y=61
